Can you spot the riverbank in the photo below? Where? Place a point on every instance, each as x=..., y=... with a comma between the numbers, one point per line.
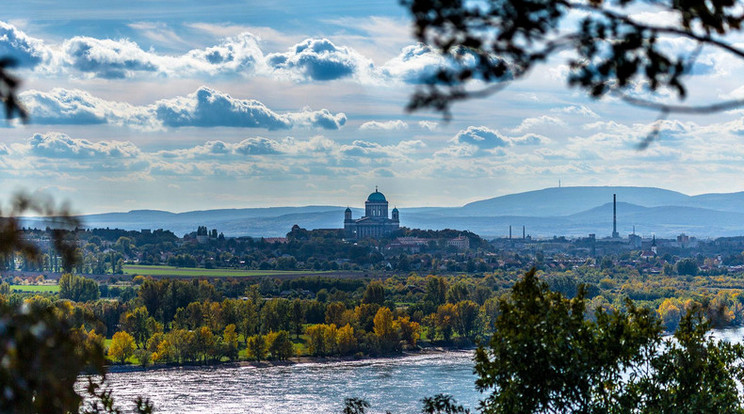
x=429, y=350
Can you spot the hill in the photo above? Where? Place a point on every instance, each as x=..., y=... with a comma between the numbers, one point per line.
x=570, y=211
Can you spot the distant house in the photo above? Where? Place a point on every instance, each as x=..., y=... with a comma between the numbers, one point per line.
x=411, y=244
x=459, y=242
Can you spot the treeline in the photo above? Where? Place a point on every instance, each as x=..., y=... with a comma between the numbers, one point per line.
x=189, y=321
x=105, y=251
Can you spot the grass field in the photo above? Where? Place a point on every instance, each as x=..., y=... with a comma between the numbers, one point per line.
x=192, y=272
x=35, y=288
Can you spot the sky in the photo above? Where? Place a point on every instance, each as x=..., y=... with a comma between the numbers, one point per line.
x=190, y=105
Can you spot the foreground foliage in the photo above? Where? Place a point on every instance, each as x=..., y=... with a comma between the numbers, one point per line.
x=42, y=356
x=547, y=356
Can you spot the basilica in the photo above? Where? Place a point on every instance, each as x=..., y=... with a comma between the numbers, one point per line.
x=375, y=222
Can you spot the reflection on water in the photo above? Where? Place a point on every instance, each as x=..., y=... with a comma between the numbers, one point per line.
x=394, y=384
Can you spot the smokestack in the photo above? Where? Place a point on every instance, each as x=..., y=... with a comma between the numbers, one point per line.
x=524, y=233
x=615, y=234
x=509, y=232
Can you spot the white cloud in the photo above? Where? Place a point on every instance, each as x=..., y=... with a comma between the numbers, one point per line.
x=204, y=108
x=320, y=60
x=76, y=107
x=534, y=122
x=58, y=145
x=384, y=125
x=115, y=59
x=582, y=110
x=28, y=51
x=430, y=125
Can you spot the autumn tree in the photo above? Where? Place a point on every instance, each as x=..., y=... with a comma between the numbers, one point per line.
x=445, y=320
x=345, y=340
x=122, y=346
x=230, y=339
x=385, y=329
x=410, y=331
x=257, y=347
x=280, y=345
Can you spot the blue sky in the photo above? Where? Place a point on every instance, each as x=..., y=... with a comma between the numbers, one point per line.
x=185, y=105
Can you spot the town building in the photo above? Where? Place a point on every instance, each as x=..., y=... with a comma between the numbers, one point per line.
x=375, y=223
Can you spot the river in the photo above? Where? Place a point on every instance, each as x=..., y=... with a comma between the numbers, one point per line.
x=388, y=384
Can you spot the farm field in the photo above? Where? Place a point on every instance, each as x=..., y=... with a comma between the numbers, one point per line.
x=156, y=271
x=35, y=288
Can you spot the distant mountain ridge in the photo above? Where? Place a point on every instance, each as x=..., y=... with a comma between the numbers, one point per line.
x=570, y=211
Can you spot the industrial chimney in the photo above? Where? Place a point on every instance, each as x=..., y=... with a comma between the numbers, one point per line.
x=615, y=234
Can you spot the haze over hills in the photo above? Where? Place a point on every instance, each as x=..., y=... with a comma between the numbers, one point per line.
x=570, y=211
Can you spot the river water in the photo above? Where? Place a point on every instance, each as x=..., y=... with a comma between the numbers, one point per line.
x=388, y=384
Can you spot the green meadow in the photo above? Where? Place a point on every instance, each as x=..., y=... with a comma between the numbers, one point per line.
x=35, y=288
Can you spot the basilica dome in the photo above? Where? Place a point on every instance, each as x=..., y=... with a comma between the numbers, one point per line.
x=376, y=197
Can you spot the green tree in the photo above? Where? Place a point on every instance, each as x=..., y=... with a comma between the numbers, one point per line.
x=445, y=320
x=545, y=357
x=78, y=288
x=297, y=309
x=686, y=267
x=436, y=290
x=279, y=345
x=695, y=373
x=257, y=347
x=374, y=293
x=230, y=339
x=467, y=318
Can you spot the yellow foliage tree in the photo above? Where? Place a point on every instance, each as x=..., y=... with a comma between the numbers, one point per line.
x=409, y=331
x=345, y=340
x=122, y=346
x=385, y=329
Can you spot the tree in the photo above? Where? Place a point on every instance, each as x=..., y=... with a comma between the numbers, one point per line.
x=122, y=346
x=257, y=347
x=695, y=373
x=345, y=340
x=611, y=51
x=279, y=345
x=467, y=318
x=230, y=339
x=545, y=357
x=686, y=267
x=385, y=329
x=410, y=331
x=78, y=288
x=36, y=336
x=140, y=325
x=355, y=406
x=375, y=293
x=445, y=320
x=442, y=403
